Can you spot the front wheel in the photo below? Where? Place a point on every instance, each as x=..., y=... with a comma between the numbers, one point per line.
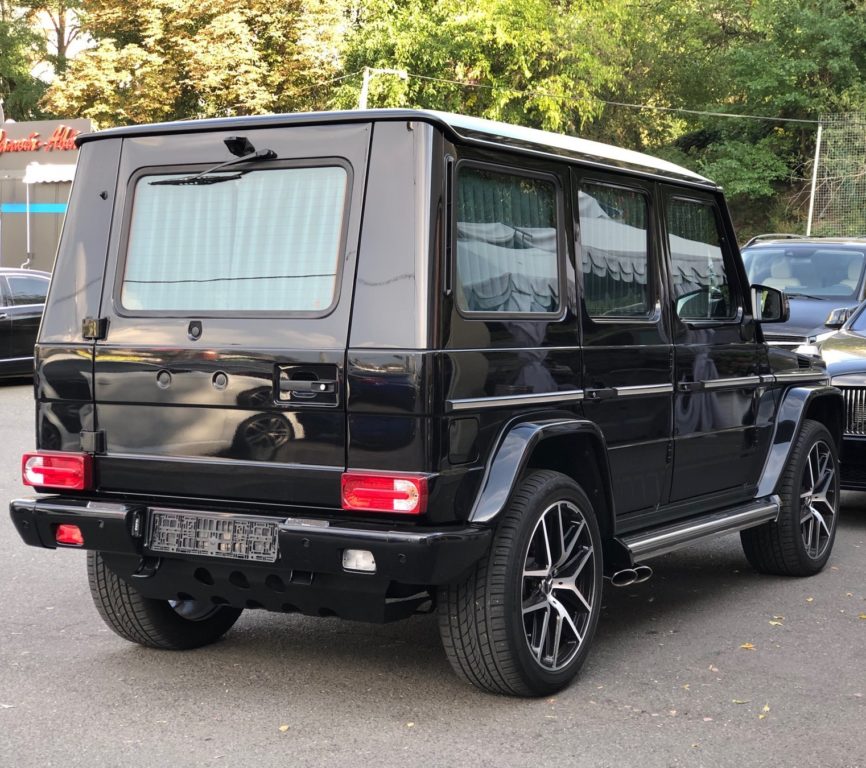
x=799, y=542
x=166, y=624
x=523, y=620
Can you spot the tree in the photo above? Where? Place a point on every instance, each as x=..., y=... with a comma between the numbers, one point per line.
x=20, y=49
x=533, y=62
x=59, y=20
x=174, y=59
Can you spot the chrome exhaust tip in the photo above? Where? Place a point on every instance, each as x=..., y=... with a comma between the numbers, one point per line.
x=642, y=573
x=623, y=578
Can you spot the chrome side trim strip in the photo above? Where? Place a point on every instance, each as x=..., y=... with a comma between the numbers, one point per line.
x=506, y=401
x=644, y=389
x=733, y=383
x=804, y=376
x=661, y=541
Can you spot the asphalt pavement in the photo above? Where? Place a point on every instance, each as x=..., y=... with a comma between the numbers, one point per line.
x=707, y=664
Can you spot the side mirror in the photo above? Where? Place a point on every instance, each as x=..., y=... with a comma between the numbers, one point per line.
x=838, y=317
x=770, y=305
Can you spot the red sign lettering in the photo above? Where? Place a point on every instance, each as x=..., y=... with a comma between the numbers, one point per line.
x=63, y=139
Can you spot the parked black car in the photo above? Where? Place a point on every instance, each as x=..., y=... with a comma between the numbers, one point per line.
x=369, y=363
x=22, y=300
x=818, y=274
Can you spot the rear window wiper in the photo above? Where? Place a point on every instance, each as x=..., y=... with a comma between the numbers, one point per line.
x=205, y=178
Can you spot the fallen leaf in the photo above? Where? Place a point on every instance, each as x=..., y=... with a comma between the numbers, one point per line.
x=776, y=624
x=748, y=647
x=284, y=728
x=862, y=616
x=761, y=717
x=778, y=618
x=708, y=719
x=849, y=594
x=765, y=708
x=740, y=701
x=672, y=712
x=410, y=725
x=713, y=668
x=7, y=706
x=810, y=599
x=686, y=686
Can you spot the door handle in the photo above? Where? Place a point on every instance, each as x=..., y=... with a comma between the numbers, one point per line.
x=314, y=387
x=604, y=393
x=691, y=386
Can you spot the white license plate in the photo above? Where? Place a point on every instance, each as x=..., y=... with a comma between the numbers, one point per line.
x=212, y=534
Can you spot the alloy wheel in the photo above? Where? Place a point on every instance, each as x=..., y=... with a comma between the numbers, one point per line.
x=558, y=586
x=818, y=500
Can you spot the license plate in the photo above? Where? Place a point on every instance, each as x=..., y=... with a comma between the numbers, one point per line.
x=212, y=534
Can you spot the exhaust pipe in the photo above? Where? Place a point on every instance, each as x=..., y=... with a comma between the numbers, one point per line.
x=628, y=576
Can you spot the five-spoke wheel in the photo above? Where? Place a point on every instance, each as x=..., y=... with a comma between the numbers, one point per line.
x=523, y=620
x=558, y=581
x=799, y=542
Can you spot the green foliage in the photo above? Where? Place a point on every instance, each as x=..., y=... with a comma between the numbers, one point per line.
x=533, y=62
x=20, y=49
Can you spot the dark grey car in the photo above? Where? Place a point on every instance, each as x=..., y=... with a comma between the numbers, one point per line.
x=818, y=274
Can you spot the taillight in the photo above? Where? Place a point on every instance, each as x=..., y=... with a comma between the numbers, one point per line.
x=396, y=493
x=69, y=534
x=67, y=471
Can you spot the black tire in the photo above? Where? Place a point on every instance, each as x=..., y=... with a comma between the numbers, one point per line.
x=487, y=633
x=172, y=626
x=799, y=542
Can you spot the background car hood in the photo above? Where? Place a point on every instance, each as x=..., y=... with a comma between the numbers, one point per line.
x=808, y=316
x=845, y=352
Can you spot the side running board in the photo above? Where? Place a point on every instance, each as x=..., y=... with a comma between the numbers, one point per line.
x=659, y=541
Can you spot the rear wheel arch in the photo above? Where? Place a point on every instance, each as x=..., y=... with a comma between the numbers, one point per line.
x=572, y=447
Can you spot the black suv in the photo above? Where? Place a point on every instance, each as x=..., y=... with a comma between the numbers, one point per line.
x=365, y=364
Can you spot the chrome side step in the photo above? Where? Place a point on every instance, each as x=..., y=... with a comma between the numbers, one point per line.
x=660, y=541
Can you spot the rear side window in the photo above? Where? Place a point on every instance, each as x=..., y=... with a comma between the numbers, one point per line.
x=267, y=241
x=27, y=290
x=614, y=240
x=507, y=243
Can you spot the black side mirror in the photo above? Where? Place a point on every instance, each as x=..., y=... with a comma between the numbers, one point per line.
x=770, y=305
x=838, y=317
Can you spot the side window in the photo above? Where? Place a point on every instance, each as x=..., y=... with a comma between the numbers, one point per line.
x=507, y=243
x=614, y=250
x=701, y=286
x=27, y=290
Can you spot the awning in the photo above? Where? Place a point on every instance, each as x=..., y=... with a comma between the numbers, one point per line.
x=41, y=173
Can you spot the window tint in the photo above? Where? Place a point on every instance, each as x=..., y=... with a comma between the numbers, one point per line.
x=614, y=251
x=27, y=290
x=506, y=243
x=268, y=240
x=701, y=285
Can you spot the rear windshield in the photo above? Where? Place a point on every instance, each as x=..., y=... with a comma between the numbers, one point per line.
x=264, y=241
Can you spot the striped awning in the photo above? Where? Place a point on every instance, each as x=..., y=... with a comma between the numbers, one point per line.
x=42, y=173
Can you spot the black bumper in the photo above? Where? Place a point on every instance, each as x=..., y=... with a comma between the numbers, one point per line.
x=404, y=554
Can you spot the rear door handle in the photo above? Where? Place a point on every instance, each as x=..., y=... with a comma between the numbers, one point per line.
x=315, y=387
x=604, y=393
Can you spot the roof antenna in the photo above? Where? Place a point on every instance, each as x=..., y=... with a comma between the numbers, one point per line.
x=239, y=145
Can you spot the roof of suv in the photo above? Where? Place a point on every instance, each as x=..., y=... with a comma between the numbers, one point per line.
x=471, y=129
x=776, y=240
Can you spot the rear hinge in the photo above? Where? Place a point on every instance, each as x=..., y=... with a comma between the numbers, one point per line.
x=94, y=328
x=93, y=442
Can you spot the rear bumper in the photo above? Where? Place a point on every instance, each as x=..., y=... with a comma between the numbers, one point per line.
x=404, y=554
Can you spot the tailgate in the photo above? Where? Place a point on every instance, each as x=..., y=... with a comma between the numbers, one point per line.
x=227, y=297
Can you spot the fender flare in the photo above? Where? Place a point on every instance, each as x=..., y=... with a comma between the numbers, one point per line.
x=512, y=454
x=789, y=419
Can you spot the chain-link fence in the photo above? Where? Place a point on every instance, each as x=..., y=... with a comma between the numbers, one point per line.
x=839, y=208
